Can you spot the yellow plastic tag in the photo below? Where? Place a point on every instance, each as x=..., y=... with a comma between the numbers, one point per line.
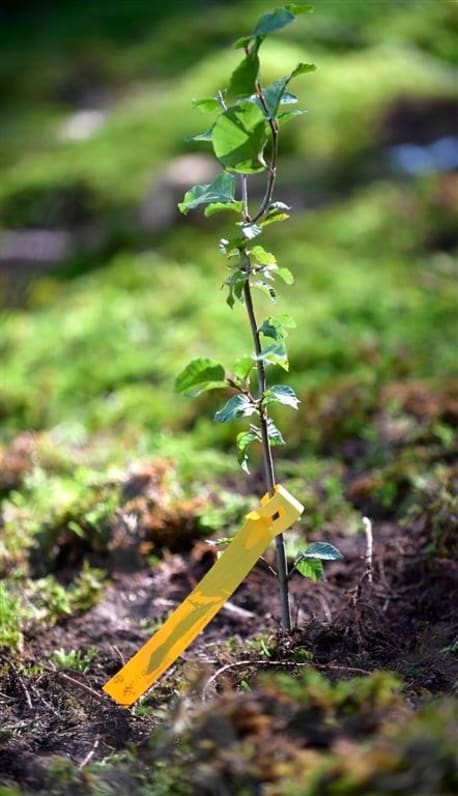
x=273, y=516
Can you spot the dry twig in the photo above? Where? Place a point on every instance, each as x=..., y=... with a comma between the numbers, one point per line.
x=73, y=681
x=89, y=755
x=238, y=664
x=369, y=549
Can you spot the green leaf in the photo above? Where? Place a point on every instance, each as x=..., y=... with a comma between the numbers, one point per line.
x=323, y=551
x=299, y=8
x=235, y=282
x=236, y=407
x=271, y=22
x=278, y=19
x=283, y=118
x=310, y=568
x=251, y=231
x=219, y=207
x=277, y=207
x=206, y=136
x=244, y=41
x=262, y=256
x=244, y=439
x=275, y=349
x=276, y=213
x=239, y=137
x=288, y=98
x=273, y=94
x=242, y=367
x=282, y=394
x=302, y=69
x=274, y=434
x=286, y=275
x=275, y=354
x=221, y=190
x=199, y=375
x=244, y=77
x=273, y=219
x=275, y=328
x=231, y=248
x=269, y=328
x=76, y=528
x=242, y=459
x=264, y=287
x=243, y=442
x=206, y=104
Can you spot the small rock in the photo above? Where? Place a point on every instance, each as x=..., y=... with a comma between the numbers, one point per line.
x=159, y=208
x=82, y=125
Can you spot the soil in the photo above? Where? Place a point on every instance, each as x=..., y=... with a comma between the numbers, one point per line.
x=398, y=616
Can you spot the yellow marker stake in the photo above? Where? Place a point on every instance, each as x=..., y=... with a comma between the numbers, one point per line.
x=273, y=516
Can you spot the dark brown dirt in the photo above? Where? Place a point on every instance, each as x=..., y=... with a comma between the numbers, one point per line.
x=403, y=622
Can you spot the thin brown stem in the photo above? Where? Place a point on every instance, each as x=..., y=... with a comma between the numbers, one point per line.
x=77, y=683
x=273, y=124
x=269, y=471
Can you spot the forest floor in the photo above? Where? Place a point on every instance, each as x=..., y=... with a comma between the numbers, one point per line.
x=372, y=644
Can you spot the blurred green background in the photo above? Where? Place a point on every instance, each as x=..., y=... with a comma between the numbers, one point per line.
x=108, y=292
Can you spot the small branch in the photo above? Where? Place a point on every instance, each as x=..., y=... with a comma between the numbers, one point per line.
x=262, y=662
x=231, y=383
x=22, y=686
x=77, y=683
x=89, y=755
x=335, y=668
x=268, y=461
x=223, y=669
x=369, y=549
x=271, y=569
x=282, y=565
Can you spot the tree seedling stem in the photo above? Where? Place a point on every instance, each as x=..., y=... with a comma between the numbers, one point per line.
x=269, y=471
x=247, y=119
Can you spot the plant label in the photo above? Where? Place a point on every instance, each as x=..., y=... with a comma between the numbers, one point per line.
x=273, y=516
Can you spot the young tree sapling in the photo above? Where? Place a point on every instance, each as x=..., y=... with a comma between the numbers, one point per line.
x=247, y=120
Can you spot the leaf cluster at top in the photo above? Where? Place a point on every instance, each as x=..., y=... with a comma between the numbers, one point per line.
x=240, y=132
x=248, y=116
